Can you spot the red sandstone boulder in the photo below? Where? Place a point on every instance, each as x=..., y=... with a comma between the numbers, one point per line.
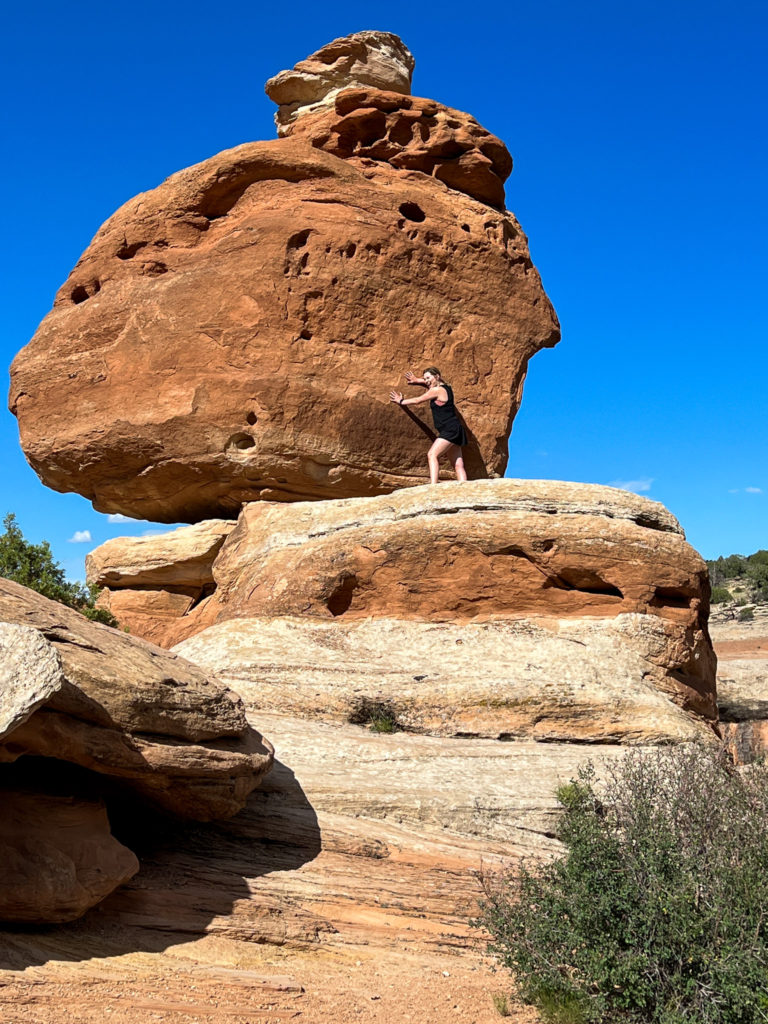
x=233, y=334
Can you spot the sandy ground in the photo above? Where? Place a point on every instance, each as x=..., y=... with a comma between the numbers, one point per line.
x=295, y=987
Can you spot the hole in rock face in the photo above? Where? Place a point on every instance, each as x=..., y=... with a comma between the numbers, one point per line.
x=671, y=597
x=341, y=598
x=465, y=227
x=412, y=211
x=127, y=252
x=241, y=441
x=306, y=335
x=299, y=240
x=584, y=580
x=79, y=295
x=251, y=418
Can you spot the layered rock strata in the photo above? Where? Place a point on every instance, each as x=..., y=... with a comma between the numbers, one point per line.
x=498, y=608
x=377, y=59
x=742, y=685
x=148, y=583
x=233, y=334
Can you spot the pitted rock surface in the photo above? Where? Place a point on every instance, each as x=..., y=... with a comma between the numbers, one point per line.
x=233, y=334
x=413, y=134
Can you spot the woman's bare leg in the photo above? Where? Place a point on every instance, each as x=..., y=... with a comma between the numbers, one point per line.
x=457, y=461
x=439, y=447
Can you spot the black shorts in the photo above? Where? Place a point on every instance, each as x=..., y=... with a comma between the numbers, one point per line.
x=456, y=435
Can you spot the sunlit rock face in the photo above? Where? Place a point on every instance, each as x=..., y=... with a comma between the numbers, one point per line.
x=233, y=334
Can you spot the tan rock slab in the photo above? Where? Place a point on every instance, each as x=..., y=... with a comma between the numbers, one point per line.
x=30, y=673
x=179, y=558
x=578, y=680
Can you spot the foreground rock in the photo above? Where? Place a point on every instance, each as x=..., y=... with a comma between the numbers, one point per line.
x=233, y=334
x=58, y=855
x=131, y=711
x=351, y=874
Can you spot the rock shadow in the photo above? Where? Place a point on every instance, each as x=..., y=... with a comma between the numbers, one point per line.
x=195, y=878
x=473, y=460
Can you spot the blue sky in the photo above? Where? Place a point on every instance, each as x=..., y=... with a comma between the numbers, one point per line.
x=638, y=136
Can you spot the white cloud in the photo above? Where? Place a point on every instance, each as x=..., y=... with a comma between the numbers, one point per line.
x=80, y=537
x=754, y=490
x=638, y=486
x=153, y=533
x=733, y=490
x=118, y=517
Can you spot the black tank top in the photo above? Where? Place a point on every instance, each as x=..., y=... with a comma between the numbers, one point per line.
x=445, y=416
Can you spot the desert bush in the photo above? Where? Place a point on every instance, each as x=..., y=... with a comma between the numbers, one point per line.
x=721, y=595
x=747, y=614
x=33, y=566
x=655, y=912
x=378, y=715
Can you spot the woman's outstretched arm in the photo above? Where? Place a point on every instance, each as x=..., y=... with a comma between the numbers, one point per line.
x=396, y=396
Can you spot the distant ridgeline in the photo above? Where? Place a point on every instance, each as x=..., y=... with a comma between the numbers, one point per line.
x=739, y=578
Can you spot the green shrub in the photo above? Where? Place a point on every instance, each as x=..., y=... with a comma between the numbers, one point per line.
x=721, y=595
x=378, y=715
x=32, y=566
x=655, y=912
x=747, y=614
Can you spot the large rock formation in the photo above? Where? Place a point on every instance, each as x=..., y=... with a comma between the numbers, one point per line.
x=233, y=334
x=566, y=611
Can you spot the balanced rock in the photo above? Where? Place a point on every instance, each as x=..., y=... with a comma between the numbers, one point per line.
x=378, y=59
x=233, y=334
x=130, y=711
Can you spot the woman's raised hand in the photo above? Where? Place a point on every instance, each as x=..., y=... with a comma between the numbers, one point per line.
x=411, y=378
x=395, y=396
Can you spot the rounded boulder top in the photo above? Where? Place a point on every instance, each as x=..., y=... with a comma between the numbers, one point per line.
x=376, y=59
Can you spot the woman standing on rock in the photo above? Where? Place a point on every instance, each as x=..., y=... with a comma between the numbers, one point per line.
x=451, y=436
